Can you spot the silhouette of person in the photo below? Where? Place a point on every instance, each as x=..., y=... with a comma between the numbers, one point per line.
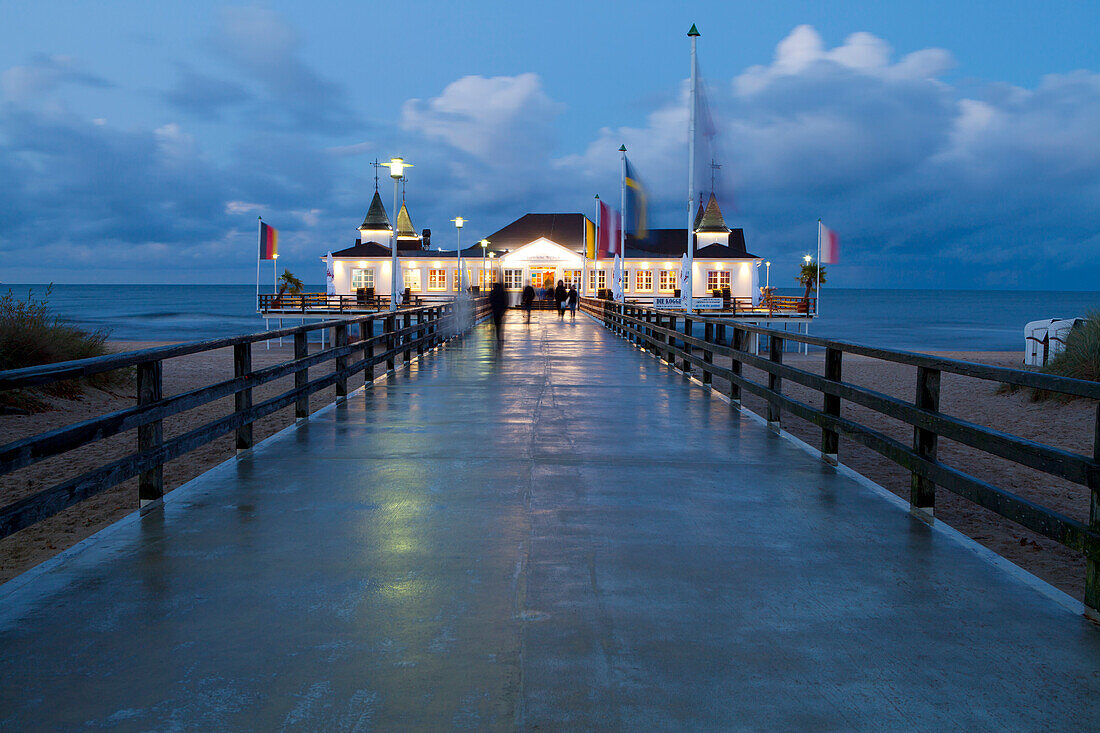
x=498, y=301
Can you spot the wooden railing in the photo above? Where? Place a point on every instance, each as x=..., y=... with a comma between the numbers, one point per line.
x=302, y=302
x=671, y=337
x=381, y=338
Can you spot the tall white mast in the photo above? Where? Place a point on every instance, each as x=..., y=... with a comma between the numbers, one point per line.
x=687, y=299
x=622, y=206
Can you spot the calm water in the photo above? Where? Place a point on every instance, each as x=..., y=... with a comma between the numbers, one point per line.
x=920, y=320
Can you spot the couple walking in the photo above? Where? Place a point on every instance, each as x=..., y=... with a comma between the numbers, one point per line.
x=562, y=297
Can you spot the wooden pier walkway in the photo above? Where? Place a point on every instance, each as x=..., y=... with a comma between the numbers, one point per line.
x=564, y=534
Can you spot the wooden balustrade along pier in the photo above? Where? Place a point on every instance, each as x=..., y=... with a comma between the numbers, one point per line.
x=561, y=532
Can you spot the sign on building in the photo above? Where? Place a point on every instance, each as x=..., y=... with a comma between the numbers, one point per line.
x=707, y=303
x=668, y=304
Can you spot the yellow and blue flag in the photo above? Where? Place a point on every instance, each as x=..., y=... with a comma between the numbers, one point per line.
x=634, y=217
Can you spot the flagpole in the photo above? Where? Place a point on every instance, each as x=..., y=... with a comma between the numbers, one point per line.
x=596, y=252
x=817, y=286
x=622, y=206
x=693, y=34
x=259, y=234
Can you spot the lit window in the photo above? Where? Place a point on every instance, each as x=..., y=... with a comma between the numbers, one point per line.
x=572, y=278
x=412, y=278
x=513, y=279
x=626, y=280
x=667, y=281
x=458, y=286
x=593, y=284
x=644, y=281
x=717, y=280
x=486, y=278
x=362, y=278
x=437, y=279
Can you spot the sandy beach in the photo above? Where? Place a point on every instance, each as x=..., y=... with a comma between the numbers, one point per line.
x=1068, y=426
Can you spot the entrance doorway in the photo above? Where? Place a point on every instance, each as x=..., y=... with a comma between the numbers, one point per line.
x=543, y=277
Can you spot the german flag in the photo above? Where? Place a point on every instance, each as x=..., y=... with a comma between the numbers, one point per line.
x=634, y=218
x=269, y=242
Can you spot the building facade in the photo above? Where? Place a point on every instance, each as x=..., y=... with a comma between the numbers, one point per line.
x=543, y=249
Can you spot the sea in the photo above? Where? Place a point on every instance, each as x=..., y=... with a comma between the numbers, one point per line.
x=913, y=320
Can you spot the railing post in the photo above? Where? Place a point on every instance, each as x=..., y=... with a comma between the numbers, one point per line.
x=150, y=389
x=922, y=491
x=830, y=439
x=368, y=352
x=687, y=347
x=775, y=382
x=340, y=341
x=421, y=332
x=708, y=355
x=301, y=377
x=406, y=322
x=1092, y=563
x=242, y=367
x=391, y=344
x=735, y=365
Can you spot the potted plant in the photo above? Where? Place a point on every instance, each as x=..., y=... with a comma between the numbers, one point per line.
x=810, y=275
x=288, y=285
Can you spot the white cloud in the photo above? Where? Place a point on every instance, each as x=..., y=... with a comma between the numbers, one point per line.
x=502, y=121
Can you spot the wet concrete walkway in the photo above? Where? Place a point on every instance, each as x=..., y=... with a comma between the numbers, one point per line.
x=564, y=535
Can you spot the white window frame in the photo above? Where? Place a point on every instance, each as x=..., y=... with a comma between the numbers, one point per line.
x=411, y=280
x=723, y=279
x=437, y=280
x=365, y=276
x=643, y=282
x=667, y=281
x=513, y=278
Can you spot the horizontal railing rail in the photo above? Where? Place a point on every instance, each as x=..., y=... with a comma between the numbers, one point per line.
x=673, y=337
x=386, y=337
x=304, y=302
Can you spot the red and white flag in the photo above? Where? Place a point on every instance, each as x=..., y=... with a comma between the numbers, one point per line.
x=829, y=244
x=610, y=225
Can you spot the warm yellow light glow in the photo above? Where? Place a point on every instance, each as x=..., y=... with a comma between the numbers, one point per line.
x=668, y=265
x=275, y=256
x=361, y=263
x=397, y=167
x=459, y=221
x=412, y=264
x=807, y=258
x=645, y=264
x=435, y=263
x=719, y=265
x=744, y=267
x=492, y=255
x=484, y=243
x=768, y=263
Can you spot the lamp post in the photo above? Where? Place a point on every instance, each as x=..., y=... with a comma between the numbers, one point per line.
x=397, y=172
x=484, y=283
x=767, y=275
x=459, y=221
x=491, y=256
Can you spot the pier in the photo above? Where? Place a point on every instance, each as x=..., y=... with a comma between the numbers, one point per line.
x=565, y=533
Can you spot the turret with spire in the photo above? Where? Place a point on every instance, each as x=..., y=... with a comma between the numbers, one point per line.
x=710, y=225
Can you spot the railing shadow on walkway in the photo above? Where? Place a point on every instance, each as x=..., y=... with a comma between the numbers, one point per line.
x=388, y=337
x=670, y=336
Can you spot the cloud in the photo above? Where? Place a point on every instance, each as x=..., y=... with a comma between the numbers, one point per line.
x=504, y=122
x=928, y=184
x=205, y=96
x=259, y=44
x=43, y=75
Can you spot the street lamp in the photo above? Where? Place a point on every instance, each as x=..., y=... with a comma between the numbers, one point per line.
x=807, y=259
x=397, y=172
x=767, y=275
x=459, y=221
x=484, y=282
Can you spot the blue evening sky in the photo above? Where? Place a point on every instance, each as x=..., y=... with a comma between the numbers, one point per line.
x=951, y=144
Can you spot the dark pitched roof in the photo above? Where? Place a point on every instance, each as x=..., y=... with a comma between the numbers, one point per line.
x=376, y=219
x=712, y=221
x=673, y=243
x=567, y=230
x=364, y=249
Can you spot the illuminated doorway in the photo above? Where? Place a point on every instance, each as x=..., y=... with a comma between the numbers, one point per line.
x=543, y=277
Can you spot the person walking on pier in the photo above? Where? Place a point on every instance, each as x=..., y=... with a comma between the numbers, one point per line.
x=498, y=301
x=560, y=297
x=528, y=299
x=574, y=297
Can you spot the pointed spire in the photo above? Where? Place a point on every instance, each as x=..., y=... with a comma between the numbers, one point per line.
x=376, y=219
x=404, y=224
x=698, y=216
x=694, y=31
x=712, y=221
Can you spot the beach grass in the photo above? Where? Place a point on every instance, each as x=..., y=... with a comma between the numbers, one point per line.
x=32, y=334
